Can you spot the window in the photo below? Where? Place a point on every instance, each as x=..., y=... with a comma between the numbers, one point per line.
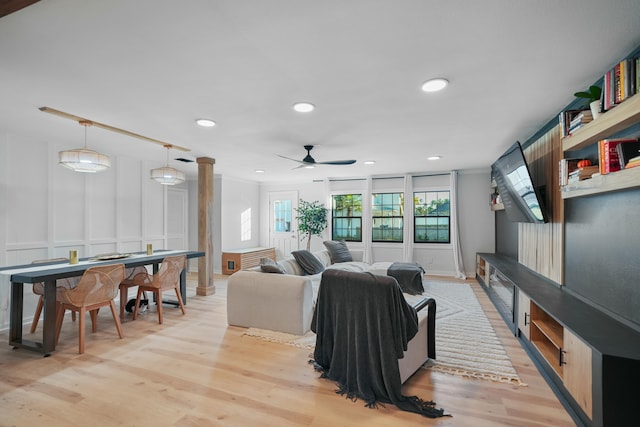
x=245, y=225
x=431, y=217
x=282, y=216
x=387, y=210
x=346, y=214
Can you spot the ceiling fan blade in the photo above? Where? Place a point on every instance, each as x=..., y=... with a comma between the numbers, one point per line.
x=337, y=162
x=293, y=160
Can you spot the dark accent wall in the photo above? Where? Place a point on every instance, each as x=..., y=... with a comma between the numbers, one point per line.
x=506, y=236
x=602, y=256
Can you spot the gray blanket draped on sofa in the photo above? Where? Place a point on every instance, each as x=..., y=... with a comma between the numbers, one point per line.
x=363, y=324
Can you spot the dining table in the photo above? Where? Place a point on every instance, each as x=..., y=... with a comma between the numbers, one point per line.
x=49, y=273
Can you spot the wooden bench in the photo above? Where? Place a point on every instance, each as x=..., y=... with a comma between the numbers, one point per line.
x=238, y=259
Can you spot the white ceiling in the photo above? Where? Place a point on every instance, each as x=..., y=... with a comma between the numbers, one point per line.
x=153, y=66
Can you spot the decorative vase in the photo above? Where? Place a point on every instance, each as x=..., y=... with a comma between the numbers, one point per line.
x=595, y=108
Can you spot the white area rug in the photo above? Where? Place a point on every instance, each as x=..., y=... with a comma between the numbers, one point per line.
x=466, y=343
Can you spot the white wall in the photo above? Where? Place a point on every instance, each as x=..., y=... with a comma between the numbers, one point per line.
x=47, y=210
x=237, y=198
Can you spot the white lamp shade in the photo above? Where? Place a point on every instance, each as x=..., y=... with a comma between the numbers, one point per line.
x=167, y=175
x=84, y=160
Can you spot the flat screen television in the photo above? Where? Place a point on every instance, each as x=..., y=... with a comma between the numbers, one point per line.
x=522, y=201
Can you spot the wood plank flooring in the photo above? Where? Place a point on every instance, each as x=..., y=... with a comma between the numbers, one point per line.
x=194, y=370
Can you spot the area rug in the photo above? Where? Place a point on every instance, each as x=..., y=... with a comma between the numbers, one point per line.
x=466, y=343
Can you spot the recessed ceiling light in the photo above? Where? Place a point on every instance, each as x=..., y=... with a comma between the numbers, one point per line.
x=207, y=123
x=303, y=107
x=434, y=158
x=435, y=85
x=259, y=171
x=369, y=162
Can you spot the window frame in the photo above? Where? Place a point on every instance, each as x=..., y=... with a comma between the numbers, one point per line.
x=417, y=217
x=352, y=217
x=400, y=217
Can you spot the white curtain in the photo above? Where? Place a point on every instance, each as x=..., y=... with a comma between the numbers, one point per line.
x=366, y=222
x=407, y=232
x=455, y=232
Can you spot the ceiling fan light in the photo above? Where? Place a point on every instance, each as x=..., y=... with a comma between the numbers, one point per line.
x=84, y=160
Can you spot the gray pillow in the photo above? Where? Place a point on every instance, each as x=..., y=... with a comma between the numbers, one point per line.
x=267, y=265
x=338, y=251
x=308, y=262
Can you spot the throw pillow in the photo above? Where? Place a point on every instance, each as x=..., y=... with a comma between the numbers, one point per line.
x=308, y=262
x=267, y=265
x=338, y=251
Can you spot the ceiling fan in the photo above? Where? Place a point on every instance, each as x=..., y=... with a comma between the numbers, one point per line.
x=310, y=162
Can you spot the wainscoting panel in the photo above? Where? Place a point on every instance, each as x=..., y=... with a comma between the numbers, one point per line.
x=102, y=200
x=540, y=246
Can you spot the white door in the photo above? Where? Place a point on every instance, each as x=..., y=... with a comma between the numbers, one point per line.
x=177, y=220
x=283, y=227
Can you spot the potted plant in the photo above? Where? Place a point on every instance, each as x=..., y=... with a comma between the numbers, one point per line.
x=312, y=219
x=592, y=95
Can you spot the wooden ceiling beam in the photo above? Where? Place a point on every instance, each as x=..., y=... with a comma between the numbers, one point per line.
x=9, y=6
x=109, y=128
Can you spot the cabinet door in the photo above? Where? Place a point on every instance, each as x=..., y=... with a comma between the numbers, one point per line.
x=578, y=371
x=524, y=313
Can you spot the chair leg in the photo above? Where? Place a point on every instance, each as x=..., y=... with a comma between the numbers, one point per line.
x=135, y=308
x=36, y=316
x=81, y=326
x=180, y=301
x=116, y=319
x=124, y=295
x=94, y=320
x=159, y=302
x=73, y=316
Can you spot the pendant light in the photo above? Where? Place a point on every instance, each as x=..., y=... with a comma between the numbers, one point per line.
x=167, y=175
x=83, y=159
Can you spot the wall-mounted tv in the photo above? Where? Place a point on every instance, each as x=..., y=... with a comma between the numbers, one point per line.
x=521, y=200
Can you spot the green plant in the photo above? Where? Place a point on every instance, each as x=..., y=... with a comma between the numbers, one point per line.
x=592, y=94
x=312, y=219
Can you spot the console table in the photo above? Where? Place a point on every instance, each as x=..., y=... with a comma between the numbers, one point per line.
x=238, y=259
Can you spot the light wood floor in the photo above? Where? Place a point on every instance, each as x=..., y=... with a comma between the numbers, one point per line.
x=197, y=371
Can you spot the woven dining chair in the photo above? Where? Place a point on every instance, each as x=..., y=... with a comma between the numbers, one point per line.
x=38, y=289
x=167, y=278
x=97, y=288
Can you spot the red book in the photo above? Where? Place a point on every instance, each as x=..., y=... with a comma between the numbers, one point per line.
x=609, y=160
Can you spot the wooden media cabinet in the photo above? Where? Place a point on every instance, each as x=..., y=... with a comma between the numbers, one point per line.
x=239, y=259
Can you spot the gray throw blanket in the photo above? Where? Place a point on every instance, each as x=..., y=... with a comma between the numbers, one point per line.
x=363, y=324
x=408, y=275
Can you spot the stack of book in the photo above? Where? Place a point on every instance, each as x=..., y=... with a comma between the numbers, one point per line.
x=626, y=151
x=632, y=163
x=570, y=120
x=580, y=119
x=582, y=173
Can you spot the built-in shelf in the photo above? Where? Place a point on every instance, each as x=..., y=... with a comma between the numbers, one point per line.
x=618, y=118
x=497, y=206
x=624, y=179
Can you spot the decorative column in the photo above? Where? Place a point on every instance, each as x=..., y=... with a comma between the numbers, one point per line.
x=205, y=226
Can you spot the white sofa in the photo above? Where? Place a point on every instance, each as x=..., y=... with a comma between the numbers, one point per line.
x=279, y=302
x=285, y=302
